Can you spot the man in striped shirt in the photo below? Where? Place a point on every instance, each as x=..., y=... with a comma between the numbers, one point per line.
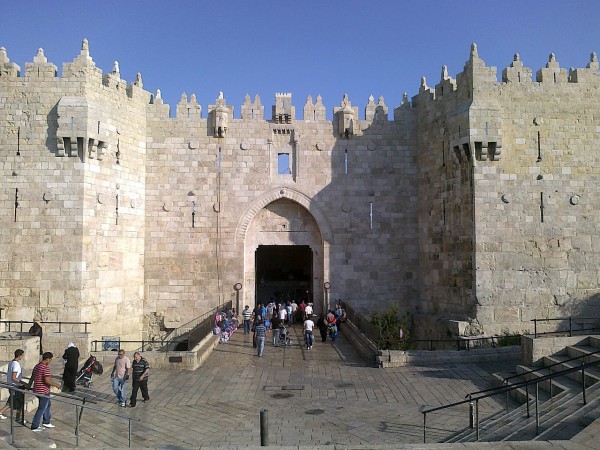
x=260, y=333
x=247, y=316
x=140, y=369
x=42, y=381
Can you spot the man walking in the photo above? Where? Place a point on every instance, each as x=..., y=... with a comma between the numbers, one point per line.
x=308, y=333
x=260, y=333
x=140, y=369
x=119, y=375
x=42, y=381
x=247, y=316
x=13, y=378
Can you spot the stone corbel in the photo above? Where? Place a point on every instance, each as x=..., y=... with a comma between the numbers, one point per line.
x=93, y=148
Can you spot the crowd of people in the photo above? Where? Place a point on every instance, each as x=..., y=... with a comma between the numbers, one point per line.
x=274, y=319
x=41, y=381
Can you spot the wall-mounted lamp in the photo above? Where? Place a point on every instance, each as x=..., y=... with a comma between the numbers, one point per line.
x=19, y=141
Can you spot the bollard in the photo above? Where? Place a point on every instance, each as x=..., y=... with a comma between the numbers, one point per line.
x=471, y=415
x=264, y=428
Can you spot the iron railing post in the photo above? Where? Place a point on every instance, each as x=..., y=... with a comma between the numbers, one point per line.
x=570, y=326
x=527, y=399
x=537, y=416
x=471, y=412
x=583, y=382
x=477, y=417
x=77, y=425
x=535, y=328
x=424, y=428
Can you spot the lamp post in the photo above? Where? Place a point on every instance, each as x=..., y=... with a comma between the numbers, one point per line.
x=327, y=287
x=237, y=287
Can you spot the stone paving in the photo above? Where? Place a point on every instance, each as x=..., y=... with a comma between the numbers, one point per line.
x=324, y=397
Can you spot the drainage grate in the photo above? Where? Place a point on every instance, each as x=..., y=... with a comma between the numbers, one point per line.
x=292, y=387
x=314, y=412
x=282, y=395
x=343, y=385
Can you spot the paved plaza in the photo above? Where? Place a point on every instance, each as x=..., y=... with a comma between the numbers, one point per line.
x=324, y=397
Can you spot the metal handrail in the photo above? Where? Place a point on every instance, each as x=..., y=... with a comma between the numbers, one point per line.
x=60, y=324
x=562, y=319
x=61, y=398
x=575, y=358
x=506, y=389
x=505, y=380
x=167, y=341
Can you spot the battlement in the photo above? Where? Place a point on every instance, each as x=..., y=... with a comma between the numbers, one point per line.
x=475, y=78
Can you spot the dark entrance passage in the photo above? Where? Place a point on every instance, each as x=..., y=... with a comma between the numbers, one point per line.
x=283, y=272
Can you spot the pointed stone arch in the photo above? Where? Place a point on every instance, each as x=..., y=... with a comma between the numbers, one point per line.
x=284, y=192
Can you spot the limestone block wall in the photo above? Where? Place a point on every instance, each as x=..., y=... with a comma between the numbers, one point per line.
x=445, y=207
x=64, y=253
x=537, y=214
x=226, y=181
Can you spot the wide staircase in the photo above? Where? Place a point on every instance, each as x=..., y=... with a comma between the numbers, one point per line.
x=555, y=401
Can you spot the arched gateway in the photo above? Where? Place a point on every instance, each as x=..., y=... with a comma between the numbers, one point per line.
x=286, y=241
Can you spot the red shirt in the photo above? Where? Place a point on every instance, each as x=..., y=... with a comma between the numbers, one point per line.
x=40, y=372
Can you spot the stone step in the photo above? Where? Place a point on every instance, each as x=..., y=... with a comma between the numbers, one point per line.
x=565, y=410
x=517, y=419
x=560, y=420
x=592, y=374
x=572, y=423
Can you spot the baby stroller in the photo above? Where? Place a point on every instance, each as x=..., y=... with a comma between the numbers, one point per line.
x=284, y=336
x=86, y=374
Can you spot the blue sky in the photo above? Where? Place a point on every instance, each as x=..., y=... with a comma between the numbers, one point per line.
x=303, y=46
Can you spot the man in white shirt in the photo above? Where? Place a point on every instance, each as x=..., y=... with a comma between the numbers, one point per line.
x=13, y=377
x=308, y=332
x=308, y=310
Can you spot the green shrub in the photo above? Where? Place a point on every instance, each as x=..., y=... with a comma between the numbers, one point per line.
x=394, y=332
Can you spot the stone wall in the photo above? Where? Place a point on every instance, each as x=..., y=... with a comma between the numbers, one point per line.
x=474, y=204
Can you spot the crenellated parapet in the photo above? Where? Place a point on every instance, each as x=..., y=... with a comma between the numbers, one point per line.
x=252, y=110
x=552, y=73
x=40, y=68
x=589, y=74
x=314, y=112
x=376, y=112
x=516, y=72
x=188, y=109
x=7, y=68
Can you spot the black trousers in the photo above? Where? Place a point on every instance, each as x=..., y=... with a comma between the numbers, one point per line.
x=141, y=385
x=69, y=375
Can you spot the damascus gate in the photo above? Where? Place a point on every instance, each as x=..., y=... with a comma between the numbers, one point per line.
x=472, y=206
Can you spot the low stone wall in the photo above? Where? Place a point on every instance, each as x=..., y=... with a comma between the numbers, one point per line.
x=187, y=360
x=534, y=349
x=399, y=358
x=359, y=341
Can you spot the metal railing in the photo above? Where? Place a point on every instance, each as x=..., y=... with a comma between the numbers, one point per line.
x=465, y=343
x=67, y=399
x=373, y=333
x=363, y=324
x=474, y=401
x=191, y=333
x=23, y=326
x=572, y=321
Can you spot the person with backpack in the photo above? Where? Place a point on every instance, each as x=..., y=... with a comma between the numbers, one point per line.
x=14, y=376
